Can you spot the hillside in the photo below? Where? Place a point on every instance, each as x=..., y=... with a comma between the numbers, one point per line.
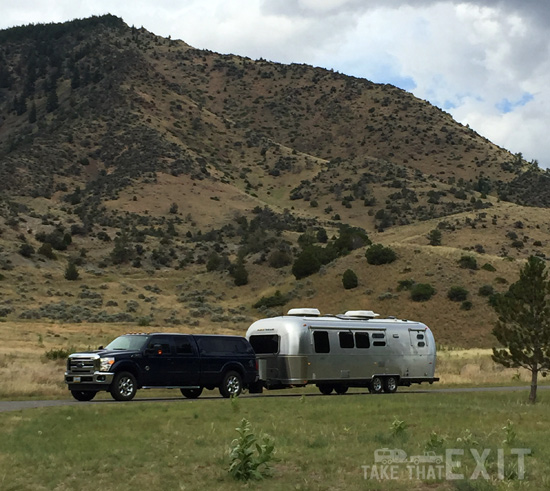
x=168, y=174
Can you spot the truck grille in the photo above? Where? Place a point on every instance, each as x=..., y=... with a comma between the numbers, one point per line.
x=82, y=365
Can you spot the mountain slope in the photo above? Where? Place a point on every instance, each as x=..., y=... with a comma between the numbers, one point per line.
x=162, y=170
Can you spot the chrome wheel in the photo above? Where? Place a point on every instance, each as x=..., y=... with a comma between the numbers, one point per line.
x=124, y=386
x=390, y=385
x=376, y=385
x=232, y=385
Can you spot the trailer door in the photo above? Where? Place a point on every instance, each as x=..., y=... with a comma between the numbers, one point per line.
x=419, y=342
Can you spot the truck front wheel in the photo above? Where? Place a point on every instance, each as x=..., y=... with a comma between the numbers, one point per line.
x=83, y=395
x=191, y=393
x=232, y=384
x=124, y=386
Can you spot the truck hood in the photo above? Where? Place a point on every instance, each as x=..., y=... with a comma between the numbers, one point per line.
x=104, y=353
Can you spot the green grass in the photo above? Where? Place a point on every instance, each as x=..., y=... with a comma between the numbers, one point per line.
x=321, y=442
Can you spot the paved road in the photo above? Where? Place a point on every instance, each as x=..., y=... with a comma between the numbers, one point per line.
x=19, y=405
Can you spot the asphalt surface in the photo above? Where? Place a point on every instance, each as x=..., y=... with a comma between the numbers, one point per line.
x=6, y=406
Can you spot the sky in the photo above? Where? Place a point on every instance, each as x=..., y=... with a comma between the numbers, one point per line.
x=486, y=62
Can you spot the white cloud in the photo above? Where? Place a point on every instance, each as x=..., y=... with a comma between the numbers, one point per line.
x=469, y=57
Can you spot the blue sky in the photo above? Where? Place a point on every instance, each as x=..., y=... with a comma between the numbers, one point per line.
x=486, y=62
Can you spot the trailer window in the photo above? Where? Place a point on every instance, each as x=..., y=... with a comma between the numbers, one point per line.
x=378, y=339
x=362, y=340
x=322, y=345
x=420, y=338
x=346, y=339
x=265, y=344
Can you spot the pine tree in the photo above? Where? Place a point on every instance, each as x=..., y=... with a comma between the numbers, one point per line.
x=71, y=273
x=523, y=326
x=239, y=272
x=52, y=103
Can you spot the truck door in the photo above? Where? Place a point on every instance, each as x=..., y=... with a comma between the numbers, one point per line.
x=187, y=368
x=159, y=363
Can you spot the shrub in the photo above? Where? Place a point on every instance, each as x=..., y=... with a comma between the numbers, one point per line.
x=306, y=264
x=467, y=262
x=405, y=285
x=46, y=250
x=457, y=294
x=250, y=459
x=26, y=250
x=378, y=254
x=279, y=259
x=421, y=292
x=214, y=262
x=275, y=300
x=486, y=290
x=488, y=267
x=59, y=353
x=466, y=305
x=349, y=279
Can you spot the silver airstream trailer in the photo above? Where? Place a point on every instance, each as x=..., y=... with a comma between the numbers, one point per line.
x=336, y=352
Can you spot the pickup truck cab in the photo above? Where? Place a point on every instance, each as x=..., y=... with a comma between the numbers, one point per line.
x=189, y=362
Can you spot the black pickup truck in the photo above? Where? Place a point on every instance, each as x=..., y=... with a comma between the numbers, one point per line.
x=189, y=362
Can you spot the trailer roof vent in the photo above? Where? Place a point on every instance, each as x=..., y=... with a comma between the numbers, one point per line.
x=363, y=314
x=304, y=312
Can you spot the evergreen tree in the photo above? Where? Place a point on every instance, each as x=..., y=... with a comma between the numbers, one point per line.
x=240, y=275
x=523, y=326
x=32, y=114
x=434, y=237
x=71, y=273
x=53, y=102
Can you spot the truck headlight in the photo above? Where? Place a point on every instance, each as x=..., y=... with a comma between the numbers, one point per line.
x=105, y=364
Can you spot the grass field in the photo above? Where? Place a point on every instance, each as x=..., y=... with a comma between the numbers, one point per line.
x=321, y=442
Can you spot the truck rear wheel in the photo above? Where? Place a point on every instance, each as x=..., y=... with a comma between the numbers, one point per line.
x=83, y=395
x=191, y=393
x=232, y=384
x=124, y=386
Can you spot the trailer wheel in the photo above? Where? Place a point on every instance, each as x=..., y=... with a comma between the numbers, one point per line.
x=390, y=385
x=341, y=389
x=325, y=389
x=376, y=385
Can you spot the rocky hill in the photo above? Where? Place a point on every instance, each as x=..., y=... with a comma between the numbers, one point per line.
x=144, y=181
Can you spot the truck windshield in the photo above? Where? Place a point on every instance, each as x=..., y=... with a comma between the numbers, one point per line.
x=127, y=342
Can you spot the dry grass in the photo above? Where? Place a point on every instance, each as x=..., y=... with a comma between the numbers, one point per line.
x=475, y=367
x=25, y=371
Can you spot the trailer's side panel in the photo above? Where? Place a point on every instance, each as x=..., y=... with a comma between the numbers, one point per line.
x=342, y=352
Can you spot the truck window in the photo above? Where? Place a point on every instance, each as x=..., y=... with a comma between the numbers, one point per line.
x=346, y=339
x=161, y=345
x=378, y=339
x=183, y=345
x=362, y=340
x=265, y=344
x=320, y=339
x=222, y=344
